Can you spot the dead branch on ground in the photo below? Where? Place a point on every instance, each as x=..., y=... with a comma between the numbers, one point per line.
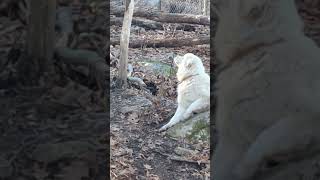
x=164, y=17
x=165, y=42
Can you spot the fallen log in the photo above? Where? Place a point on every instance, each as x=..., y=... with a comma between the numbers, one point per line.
x=164, y=17
x=169, y=43
x=150, y=24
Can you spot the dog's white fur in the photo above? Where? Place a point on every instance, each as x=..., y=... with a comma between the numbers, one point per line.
x=193, y=88
x=268, y=91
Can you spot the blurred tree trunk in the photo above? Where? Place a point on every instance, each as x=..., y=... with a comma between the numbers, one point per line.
x=40, y=37
x=159, y=5
x=204, y=7
x=124, y=43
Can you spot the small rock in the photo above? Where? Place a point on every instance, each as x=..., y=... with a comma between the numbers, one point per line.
x=157, y=68
x=184, y=152
x=195, y=128
x=142, y=30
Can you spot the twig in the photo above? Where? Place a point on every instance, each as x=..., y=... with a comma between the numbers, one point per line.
x=176, y=158
x=114, y=174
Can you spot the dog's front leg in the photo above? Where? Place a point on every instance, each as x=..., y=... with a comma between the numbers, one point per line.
x=175, y=119
x=197, y=106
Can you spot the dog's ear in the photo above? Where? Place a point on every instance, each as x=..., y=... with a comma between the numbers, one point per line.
x=189, y=64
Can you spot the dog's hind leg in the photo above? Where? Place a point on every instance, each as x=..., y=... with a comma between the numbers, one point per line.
x=175, y=119
x=289, y=138
x=197, y=106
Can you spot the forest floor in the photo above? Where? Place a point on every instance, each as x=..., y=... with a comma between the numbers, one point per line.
x=55, y=129
x=138, y=150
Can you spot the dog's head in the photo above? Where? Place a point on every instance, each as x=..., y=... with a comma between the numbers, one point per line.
x=188, y=65
x=245, y=23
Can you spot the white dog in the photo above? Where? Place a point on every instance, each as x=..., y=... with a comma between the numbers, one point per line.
x=193, y=88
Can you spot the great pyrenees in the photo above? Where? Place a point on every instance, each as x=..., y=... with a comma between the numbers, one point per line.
x=193, y=88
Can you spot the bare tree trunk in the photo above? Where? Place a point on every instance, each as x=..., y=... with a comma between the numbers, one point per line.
x=36, y=63
x=207, y=8
x=40, y=40
x=159, y=5
x=204, y=7
x=124, y=43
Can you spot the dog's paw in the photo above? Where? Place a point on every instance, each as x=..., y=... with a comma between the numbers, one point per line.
x=163, y=128
x=173, y=121
x=167, y=126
